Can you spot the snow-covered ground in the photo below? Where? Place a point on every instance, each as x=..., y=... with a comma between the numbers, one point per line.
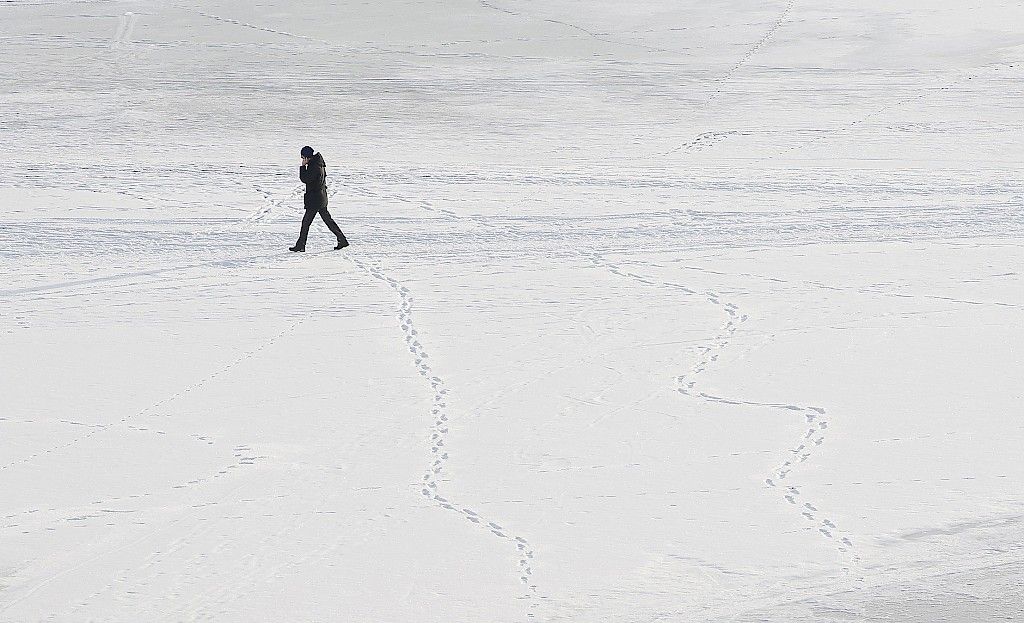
x=654, y=311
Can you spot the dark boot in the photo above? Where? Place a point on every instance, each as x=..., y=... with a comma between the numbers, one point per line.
x=297, y=248
x=342, y=243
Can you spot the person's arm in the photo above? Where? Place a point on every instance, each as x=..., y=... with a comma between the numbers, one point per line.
x=303, y=173
x=313, y=175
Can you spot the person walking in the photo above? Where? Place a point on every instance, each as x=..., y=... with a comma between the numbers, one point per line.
x=313, y=174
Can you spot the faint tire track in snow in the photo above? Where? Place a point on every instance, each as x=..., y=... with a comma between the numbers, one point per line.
x=918, y=96
x=261, y=561
x=602, y=37
x=241, y=454
x=257, y=565
x=228, y=20
x=870, y=290
x=814, y=435
x=94, y=281
x=93, y=431
x=266, y=212
x=439, y=433
x=117, y=547
x=491, y=5
x=421, y=204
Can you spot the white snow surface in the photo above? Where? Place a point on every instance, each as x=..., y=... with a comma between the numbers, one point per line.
x=654, y=311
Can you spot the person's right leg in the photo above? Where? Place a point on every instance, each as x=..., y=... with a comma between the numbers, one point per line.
x=307, y=220
x=331, y=225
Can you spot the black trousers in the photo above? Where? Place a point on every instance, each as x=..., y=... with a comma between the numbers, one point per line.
x=307, y=220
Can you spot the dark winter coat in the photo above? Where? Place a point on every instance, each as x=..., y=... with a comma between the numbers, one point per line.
x=314, y=176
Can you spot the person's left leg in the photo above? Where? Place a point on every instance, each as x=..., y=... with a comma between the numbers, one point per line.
x=307, y=220
x=331, y=225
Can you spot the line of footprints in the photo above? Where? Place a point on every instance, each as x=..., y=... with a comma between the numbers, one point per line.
x=439, y=434
x=686, y=384
x=814, y=436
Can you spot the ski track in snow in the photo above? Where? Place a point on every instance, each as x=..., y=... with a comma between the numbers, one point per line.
x=815, y=417
x=439, y=429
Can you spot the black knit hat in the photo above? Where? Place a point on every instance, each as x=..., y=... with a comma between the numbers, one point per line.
x=307, y=152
